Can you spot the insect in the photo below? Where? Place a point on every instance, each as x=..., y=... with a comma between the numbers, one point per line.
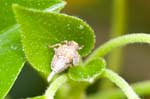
x=65, y=55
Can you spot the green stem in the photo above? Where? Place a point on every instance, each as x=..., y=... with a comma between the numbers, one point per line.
x=121, y=83
x=141, y=88
x=118, y=42
x=50, y=92
x=118, y=28
x=118, y=24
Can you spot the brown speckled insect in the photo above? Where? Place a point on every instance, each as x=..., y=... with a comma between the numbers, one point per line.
x=66, y=54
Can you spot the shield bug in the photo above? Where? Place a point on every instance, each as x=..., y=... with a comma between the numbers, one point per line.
x=65, y=55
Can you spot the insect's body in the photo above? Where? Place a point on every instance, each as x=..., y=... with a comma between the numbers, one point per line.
x=65, y=56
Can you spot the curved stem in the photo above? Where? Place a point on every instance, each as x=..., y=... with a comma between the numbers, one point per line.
x=118, y=42
x=141, y=88
x=121, y=83
x=118, y=28
x=50, y=92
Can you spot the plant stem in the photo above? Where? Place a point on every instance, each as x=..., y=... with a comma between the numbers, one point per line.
x=118, y=24
x=118, y=28
x=121, y=83
x=119, y=42
x=141, y=88
x=50, y=92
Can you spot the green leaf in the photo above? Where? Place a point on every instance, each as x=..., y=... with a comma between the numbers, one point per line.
x=88, y=72
x=41, y=29
x=6, y=14
x=11, y=54
x=11, y=59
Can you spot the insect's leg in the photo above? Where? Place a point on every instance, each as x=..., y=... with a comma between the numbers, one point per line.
x=81, y=47
x=64, y=42
x=51, y=75
x=76, y=60
x=54, y=46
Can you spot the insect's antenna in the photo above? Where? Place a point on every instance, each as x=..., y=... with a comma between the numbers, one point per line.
x=51, y=75
x=54, y=46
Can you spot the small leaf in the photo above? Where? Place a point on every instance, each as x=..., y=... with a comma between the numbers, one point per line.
x=88, y=72
x=11, y=59
x=41, y=29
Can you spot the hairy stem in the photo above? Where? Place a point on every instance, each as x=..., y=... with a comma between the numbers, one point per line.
x=141, y=88
x=50, y=92
x=118, y=28
x=121, y=83
x=119, y=42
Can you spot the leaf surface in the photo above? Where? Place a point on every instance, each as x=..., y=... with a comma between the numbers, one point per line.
x=6, y=14
x=88, y=72
x=11, y=59
x=11, y=54
x=41, y=29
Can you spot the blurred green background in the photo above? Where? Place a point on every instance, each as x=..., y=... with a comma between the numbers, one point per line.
x=135, y=60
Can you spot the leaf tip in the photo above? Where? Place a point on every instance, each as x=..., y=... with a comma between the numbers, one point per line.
x=18, y=8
